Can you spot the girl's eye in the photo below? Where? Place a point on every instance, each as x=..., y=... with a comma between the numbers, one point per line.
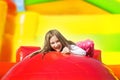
x=57, y=41
x=52, y=43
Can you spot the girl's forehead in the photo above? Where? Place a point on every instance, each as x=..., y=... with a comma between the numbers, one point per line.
x=53, y=37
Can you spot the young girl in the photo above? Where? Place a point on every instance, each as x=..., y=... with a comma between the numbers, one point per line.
x=55, y=41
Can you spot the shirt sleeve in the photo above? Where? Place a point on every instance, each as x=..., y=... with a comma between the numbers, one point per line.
x=77, y=50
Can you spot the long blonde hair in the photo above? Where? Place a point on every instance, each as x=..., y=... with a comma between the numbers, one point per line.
x=62, y=39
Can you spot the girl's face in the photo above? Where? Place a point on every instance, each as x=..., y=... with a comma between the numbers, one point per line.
x=55, y=43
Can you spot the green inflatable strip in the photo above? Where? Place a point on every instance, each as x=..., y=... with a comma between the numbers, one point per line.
x=109, y=42
x=106, y=42
x=112, y=6
x=30, y=2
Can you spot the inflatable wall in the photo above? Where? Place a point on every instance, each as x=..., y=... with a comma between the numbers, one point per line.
x=3, y=13
x=25, y=22
x=77, y=22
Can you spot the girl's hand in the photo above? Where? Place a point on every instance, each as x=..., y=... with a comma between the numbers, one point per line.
x=65, y=50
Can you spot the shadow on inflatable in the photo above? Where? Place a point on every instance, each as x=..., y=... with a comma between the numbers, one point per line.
x=55, y=66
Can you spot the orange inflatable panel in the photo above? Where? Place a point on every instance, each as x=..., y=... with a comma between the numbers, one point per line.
x=115, y=69
x=3, y=13
x=9, y=27
x=65, y=7
x=4, y=67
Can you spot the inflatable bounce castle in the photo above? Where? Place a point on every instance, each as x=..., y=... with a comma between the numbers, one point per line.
x=23, y=25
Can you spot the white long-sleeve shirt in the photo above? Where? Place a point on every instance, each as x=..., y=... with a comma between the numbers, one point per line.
x=74, y=50
x=77, y=50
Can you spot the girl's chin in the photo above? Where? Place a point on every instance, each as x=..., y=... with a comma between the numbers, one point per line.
x=58, y=50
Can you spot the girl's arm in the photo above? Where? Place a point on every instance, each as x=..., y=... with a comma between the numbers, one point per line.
x=77, y=50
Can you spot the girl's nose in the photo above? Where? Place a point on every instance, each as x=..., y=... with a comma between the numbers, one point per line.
x=56, y=44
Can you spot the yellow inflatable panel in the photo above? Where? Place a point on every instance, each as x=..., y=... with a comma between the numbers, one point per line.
x=81, y=24
x=65, y=7
x=30, y=27
x=111, y=58
x=3, y=12
x=73, y=26
x=25, y=31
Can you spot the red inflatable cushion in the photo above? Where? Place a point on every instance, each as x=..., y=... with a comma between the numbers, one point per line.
x=23, y=51
x=54, y=66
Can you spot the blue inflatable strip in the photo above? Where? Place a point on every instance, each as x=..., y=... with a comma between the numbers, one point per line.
x=20, y=5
